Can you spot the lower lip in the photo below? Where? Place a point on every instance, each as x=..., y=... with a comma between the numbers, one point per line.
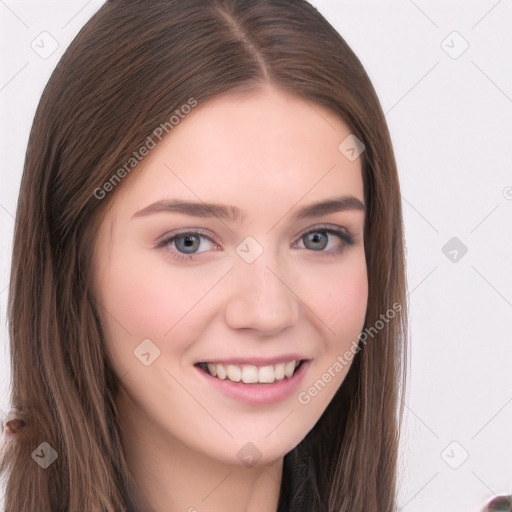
x=258, y=394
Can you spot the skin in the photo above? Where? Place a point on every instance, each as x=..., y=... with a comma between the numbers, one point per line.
x=268, y=153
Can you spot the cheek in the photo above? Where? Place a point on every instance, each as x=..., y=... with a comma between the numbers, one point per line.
x=149, y=298
x=138, y=298
x=338, y=296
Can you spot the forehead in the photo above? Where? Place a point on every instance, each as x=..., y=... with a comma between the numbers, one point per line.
x=263, y=152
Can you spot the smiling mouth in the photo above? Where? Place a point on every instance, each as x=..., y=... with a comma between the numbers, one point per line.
x=251, y=374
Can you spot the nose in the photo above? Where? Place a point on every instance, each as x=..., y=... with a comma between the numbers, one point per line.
x=261, y=298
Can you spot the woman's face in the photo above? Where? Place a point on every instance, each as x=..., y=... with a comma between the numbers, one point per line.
x=282, y=281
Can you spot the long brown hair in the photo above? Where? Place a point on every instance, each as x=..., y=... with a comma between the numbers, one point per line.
x=130, y=67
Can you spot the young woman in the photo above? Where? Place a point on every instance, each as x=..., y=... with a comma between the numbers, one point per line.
x=207, y=301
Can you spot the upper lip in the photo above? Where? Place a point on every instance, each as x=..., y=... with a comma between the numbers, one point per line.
x=256, y=361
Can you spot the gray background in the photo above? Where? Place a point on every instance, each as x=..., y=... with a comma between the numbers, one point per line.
x=449, y=110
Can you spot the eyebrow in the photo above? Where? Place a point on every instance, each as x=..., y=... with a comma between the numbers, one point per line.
x=235, y=214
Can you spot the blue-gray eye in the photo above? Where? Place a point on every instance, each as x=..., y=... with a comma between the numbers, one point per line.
x=318, y=239
x=187, y=243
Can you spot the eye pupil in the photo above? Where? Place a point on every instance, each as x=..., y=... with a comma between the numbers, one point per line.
x=318, y=237
x=189, y=242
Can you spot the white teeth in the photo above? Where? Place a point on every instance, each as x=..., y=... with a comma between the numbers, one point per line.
x=251, y=374
x=289, y=368
x=279, y=371
x=221, y=371
x=234, y=373
x=266, y=374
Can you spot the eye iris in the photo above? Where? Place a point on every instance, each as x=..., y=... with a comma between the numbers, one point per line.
x=190, y=242
x=315, y=238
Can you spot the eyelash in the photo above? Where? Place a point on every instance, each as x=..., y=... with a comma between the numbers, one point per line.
x=343, y=235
